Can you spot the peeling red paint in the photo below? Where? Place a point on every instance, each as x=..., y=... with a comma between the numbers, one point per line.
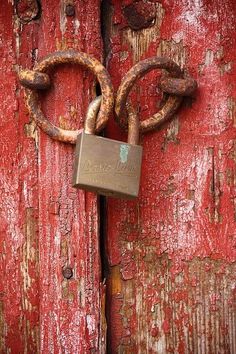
x=175, y=246
x=45, y=225
x=172, y=253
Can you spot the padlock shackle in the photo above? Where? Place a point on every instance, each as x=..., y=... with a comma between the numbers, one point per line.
x=91, y=115
x=133, y=120
x=133, y=125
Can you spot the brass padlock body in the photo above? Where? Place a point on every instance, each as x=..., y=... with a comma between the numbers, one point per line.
x=107, y=167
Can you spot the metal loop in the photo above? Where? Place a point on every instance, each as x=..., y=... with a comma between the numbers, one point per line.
x=34, y=79
x=67, y=57
x=135, y=73
x=91, y=115
x=179, y=87
x=133, y=125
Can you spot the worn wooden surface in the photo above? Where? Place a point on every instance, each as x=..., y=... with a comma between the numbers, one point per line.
x=19, y=283
x=172, y=253
x=45, y=224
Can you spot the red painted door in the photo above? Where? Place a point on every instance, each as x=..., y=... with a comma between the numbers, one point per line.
x=171, y=253
x=49, y=231
x=168, y=258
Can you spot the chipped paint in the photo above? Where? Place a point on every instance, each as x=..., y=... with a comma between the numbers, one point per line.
x=174, y=249
x=46, y=226
x=139, y=41
x=171, y=285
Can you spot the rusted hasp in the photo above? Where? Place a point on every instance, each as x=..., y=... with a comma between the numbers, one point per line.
x=39, y=79
x=175, y=85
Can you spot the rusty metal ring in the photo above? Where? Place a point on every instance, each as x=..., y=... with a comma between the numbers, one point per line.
x=173, y=100
x=38, y=79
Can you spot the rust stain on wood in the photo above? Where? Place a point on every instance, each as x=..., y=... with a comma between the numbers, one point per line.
x=140, y=14
x=232, y=110
x=169, y=306
x=27, y=10
x=139, y=41
x=30, y=273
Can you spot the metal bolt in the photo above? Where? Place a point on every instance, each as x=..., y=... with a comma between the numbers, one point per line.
x=70, y=10
x=140, y=15
x=67, y=273
x=27, y=10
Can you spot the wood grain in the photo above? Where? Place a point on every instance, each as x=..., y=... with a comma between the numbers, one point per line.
x=172, y=253
x=46, y=225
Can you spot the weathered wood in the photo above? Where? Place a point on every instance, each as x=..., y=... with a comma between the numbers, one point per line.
x=171, y=284
x=19, y=288
x=47, y=227
x=171, y=253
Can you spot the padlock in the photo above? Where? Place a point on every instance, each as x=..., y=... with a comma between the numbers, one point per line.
x=105, y=166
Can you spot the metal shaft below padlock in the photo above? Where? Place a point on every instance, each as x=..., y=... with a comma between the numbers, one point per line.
x=105, y=166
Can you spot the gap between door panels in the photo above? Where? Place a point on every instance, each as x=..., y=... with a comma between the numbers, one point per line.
x=105, y=18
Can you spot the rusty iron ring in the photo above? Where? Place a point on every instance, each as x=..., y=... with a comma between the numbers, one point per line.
x=176, y=90
x=38, y=79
